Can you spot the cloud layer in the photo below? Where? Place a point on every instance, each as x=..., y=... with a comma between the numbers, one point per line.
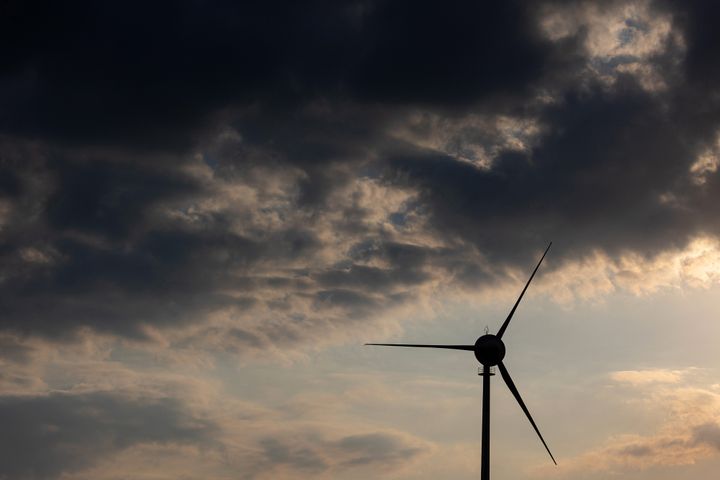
x=689, y=433
x=328, y=171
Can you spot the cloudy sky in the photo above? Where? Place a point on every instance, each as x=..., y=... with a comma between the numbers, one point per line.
x=207, y=207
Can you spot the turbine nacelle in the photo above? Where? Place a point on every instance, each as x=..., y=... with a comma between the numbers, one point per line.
x=489, y=350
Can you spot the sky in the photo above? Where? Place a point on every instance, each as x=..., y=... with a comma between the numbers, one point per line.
x=207, y=207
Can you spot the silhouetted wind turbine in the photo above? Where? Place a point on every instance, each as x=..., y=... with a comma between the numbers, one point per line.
x=490, y=351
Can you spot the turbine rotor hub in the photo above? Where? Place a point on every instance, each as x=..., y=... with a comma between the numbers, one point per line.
x=489, y=350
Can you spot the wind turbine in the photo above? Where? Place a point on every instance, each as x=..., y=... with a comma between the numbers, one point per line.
x=490, y=350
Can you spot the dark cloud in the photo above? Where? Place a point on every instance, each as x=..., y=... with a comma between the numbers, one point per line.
x=696, y=19
x=111, y=199
x=139, y=75
x=376, y=448
x=92, y=245
x=315, y=455
x=371, y=277
x=277, y=454
x=637, y=451
x=708, y=433
x=420, y=52
x=167, y=278
x=597, y=179
x=162, y=163
x=9, y=183
x=14, y=351
x=47, y=436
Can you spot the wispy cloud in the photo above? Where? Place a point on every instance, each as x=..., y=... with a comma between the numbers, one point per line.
x=640, y=377
x=687, y=434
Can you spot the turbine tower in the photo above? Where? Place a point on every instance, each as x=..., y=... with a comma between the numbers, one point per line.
x=489, y=351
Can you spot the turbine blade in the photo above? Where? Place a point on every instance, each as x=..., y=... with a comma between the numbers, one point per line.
x=449, y=347
x=512, y=312
x=516, y=394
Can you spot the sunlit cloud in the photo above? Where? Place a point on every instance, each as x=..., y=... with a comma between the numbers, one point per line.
x=476, y=139
x=687, y=435
x=597, y=276
x=640, y=377
x=618, y=38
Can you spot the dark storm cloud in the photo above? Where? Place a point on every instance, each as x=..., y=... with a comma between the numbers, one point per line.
x=47, y=436
x=110, y=199
x=9, y=183
x=167, y=278
x=87, y=246
x=595, y=181
x=697, y=19
x=423, y=52
x=134, y=74
x=610, y=171
x=107, y=223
